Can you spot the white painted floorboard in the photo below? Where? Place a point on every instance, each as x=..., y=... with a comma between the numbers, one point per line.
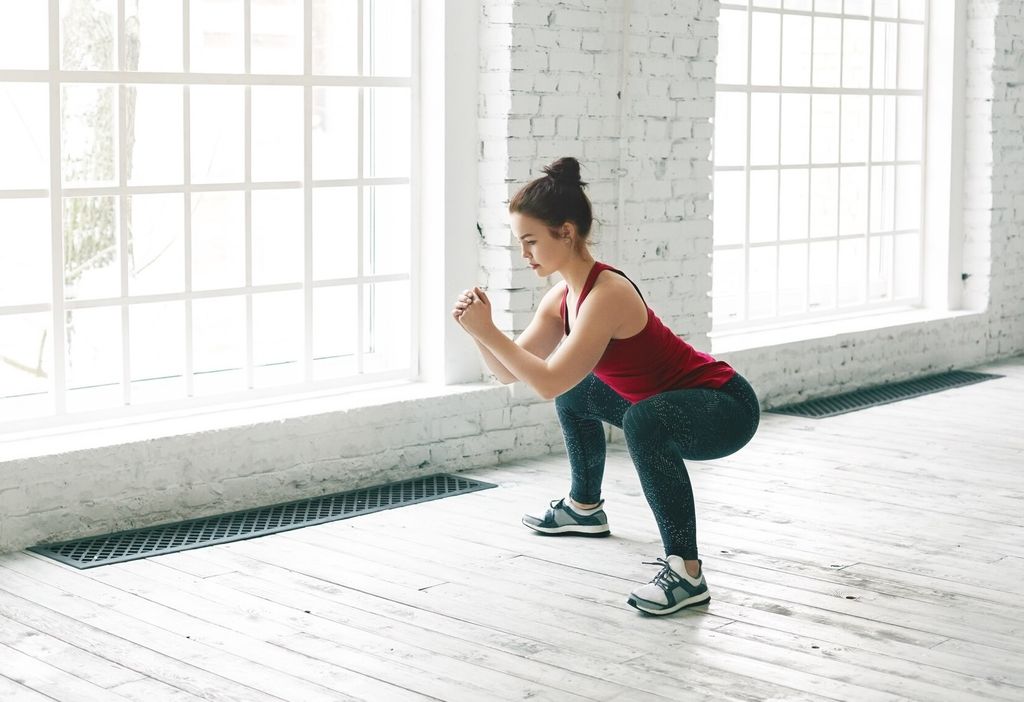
x=878, y=555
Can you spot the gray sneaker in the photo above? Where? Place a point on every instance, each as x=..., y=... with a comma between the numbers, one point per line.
x=672, y=589
x=563, y=520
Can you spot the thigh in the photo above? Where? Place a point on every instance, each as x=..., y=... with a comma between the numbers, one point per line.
x=592, y=398
x=703, y=423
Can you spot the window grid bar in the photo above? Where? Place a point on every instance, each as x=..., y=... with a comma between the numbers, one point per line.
x=817, y=166
x=839, y=153
x=414, y=190
x=59, y=380
x=924, y=149
x=250, y=372
x=746, y=172
x=810, y=157
x=122, y=207
x=362, y=64
x=891, y=282
x=17, y=75
x=778, y=185
x=186, y=107
x=114, y=190
x=811, y=317
x=307, y=190
x=817, y=13
x=871, y=164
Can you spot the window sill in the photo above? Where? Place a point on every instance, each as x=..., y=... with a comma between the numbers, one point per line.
x=378, y=398
x=755, y=338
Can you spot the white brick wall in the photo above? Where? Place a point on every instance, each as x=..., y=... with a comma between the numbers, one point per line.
x=551, y=84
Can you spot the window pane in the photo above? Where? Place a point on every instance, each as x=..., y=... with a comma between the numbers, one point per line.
x=93, y=338
x=822, y=276
x=853, y=200
x=218, y=345
x=764, y=206
x=824, y=201
x=855, y=120
x=824, y=128
x=387, y=332
x=335, y=133
x=912, y=9
x=276, y=36
x=217, y=36
x=856, y=53
x=388, y=230
x=335, y=230
x=883, y=194
x=732, y=47
x=277, y=236
x=278, y=338
x=217, y=134
x=796, y=127
x=907, y=266
x=793, y=203
x=335, y=320
x=25, y=240
x=155, y=153
x=761, y=300
x=885, y=55
x=833, y=6
x=806, y=5
x=730, y=207
x=91, y=267
x=335, y=37
x=159, y=45
x=156, y=243
x=827, y=59
x=764, y=50
x=730, y=129
x=852, y=271
x=24, y=39
x=24, y=137
x=218, y=240
x=886, y=8
x=880, y=268
x=390, y=37
x=727, y=285
x=908, y=197
x=910, y=128
x=766, y=3
x=157, y=343
x=764, y=129
x=87, y=134
x=796, y=50
x=390, y=132
x=87, y=31
x=792, y=279
x=277, y=137
x=883, y=128
x=26, y=346
x=857, y=7
x=911, y=56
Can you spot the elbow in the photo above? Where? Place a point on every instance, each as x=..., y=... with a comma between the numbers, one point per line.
x=549, y=393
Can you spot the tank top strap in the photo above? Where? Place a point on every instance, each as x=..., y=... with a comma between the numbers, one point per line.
x=589, y=284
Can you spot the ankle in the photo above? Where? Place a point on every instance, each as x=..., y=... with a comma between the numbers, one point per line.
x=582, y=505
x=692, y=568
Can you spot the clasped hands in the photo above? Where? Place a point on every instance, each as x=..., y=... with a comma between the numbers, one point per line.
x=473, y=311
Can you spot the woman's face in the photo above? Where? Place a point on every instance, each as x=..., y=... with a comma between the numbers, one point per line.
x=544, y=252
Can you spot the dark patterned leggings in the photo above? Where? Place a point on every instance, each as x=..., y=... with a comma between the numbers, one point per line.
x=697, y=424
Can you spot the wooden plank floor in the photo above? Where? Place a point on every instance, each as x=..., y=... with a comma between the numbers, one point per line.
x=874, y=556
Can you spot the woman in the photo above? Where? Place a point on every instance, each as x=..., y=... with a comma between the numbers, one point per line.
x=604, y=356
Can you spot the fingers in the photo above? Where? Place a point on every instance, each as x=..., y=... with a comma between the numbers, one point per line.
x=482, y=295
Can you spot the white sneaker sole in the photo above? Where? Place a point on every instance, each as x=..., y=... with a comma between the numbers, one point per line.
x=578, y=529
x=702, y=598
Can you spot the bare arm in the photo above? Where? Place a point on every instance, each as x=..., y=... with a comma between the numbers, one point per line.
x=540, y=337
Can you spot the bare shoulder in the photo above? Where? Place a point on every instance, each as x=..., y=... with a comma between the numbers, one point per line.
x=551, y=304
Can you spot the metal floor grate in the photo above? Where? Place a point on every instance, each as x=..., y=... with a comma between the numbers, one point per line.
x=882, y=394
x=219, y=529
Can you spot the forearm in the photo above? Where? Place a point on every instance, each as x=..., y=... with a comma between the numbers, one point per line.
x=519, y=362
x=494, y=365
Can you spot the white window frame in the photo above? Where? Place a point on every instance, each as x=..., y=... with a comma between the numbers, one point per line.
x=55, y=77
x=941, y=181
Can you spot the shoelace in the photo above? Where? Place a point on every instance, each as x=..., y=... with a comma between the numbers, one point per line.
x=667, y=577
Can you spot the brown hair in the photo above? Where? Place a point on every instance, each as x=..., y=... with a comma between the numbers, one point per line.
x=556, y=197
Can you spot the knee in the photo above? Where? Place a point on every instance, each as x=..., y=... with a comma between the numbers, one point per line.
x=639, y=422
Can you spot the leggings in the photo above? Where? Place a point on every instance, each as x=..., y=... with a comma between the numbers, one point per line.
x=661, y=431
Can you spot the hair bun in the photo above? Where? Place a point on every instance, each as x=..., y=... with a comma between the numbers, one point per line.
x=565, y=170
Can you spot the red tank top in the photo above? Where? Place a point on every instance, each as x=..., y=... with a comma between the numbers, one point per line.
x=653, y=361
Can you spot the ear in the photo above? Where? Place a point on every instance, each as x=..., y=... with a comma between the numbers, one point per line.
x=568, y=232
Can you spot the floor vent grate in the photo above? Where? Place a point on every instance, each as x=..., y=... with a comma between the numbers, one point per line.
x=168, y=538
x=882, y=394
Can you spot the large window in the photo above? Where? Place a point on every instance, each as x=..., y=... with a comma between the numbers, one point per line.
x=203, y=198
x=818, y=158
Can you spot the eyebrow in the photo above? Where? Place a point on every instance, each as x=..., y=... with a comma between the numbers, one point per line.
x=524, y=235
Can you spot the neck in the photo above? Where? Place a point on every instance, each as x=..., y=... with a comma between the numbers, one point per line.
x=575, y=273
